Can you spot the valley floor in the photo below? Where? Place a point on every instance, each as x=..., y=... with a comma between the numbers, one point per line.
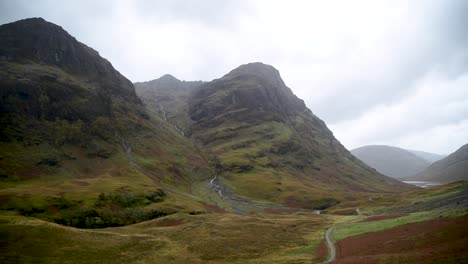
x=391, y=229
x=179, y=238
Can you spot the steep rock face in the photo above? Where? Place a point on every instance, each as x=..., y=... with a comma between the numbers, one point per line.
x=38, y=41
x=167, y=96
x=452, y=168
x=270, y=145
x=391, y=161
x=47, y=74
x=253, y=87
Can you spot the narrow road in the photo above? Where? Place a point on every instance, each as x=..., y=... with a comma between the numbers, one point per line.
x=331, y=247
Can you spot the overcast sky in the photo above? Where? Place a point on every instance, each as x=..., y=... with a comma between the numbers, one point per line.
x=377, y=72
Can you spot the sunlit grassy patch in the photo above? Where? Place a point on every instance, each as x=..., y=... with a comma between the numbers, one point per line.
x=352, y=229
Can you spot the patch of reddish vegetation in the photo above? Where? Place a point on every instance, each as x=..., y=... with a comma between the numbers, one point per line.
x=30, y=173
x=442, y=240
x=281, y=210
x=199, y=163
x=5, y=198
x=292, y=201
x=382, y=217
x=213, y=208
x=170, y=222
x=322, y=251
x=80, y=183
x=345, y=212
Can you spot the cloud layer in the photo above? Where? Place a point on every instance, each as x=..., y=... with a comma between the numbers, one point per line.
x=378, y=72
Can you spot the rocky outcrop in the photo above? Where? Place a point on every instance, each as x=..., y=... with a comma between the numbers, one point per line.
x=253, y=87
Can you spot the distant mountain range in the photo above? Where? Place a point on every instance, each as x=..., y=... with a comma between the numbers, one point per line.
x=395, y=162
x=431, y=157
x=452, y=168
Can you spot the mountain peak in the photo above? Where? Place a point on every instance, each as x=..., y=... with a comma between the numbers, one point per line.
x=261, y=70
x=255, y=87
x=30, y=20
x=36, y=41
x=168, y=78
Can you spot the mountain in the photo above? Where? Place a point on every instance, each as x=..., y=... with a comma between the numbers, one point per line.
x=431, y=157
x=452, y=168
x=391, y=161
x=267, y=144
x=77, y=146
x=33, y=51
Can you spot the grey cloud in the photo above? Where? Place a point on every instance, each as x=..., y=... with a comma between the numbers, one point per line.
x=343, y=59
x=442, y=43
x=211, y=13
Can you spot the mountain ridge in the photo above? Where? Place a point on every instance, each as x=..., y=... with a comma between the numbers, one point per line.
x=431, y=157
x=391, y=161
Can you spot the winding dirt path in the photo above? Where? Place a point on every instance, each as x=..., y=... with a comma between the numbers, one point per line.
x=330, y=245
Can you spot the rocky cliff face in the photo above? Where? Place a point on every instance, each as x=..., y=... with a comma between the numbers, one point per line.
x=167, y=96
x=47, y=74
x=35, y=40
x=251, y=88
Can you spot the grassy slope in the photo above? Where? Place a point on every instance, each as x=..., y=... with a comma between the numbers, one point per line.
x=357, y=228
x=213, y=238
x=43, y=159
